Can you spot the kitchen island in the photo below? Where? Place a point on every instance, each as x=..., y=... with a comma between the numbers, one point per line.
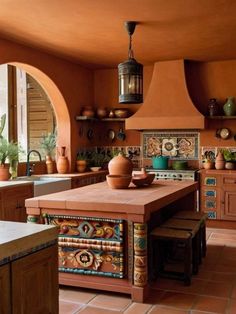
x=103, y=233
x=28, y=272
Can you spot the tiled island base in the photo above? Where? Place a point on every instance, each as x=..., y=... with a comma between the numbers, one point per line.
x=103, y=233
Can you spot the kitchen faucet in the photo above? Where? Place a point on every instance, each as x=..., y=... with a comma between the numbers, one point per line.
x=29, y=169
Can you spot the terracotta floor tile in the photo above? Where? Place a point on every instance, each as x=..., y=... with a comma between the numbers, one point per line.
x=232, y=307
x=138, y=308
x=75, y=294
x=218, y=289
x=210, y=304
x=178, y=300
x=155, y=296
x=233, y=293
x=69, y=307
x=96, y=310
x=112, y=302
x=222, y=277
x=200, y=312
x=166, y=310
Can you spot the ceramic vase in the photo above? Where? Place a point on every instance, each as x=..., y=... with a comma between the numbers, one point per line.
x=120, y=165
x=62, y=161
x=13, y=168
x=208, y=165
x=88, y=112
x=213, y=107
x=220, y=161
x=49, y=164
x=230, y=107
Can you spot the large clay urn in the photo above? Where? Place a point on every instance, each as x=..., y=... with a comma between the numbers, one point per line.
x=62, y=161
x=120, y=165
x=220, y=161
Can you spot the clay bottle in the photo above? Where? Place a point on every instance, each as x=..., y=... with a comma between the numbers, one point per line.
x=62, y=161
x=220, y=161
x=120, y=165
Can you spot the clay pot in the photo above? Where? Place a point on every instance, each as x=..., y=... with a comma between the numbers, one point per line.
x=88, y=112
x=118, y=181
x=81, y=165
x=62, y=162
x=120, y=165
x=220, y=161
x=208, y=165
x=49, y=164
x=4, y=172
x=229, y=165
x=102, y=112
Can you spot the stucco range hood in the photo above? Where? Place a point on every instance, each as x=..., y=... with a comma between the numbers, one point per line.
x=167, y=104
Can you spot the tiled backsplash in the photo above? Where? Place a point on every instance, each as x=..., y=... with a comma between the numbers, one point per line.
x=176, y=145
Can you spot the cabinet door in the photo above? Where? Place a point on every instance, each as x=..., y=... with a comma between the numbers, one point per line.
x=35, y=283
x=13, y=202
x=5, y=301
x=228, y=200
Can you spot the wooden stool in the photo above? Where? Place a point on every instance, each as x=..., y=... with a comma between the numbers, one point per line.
x=159, y=238
x=193, y=227
x=202, y=217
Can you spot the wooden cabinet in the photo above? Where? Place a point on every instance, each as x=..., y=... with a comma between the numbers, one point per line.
x=228, y=197
x=34, y=284
x=218, y=194
x=5, y=284
x=12, y=200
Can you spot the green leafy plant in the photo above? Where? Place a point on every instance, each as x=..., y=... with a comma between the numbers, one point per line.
x=8, y=151
x=229, y=155
x=96, y=159
x=48, y=143
x=81, y=155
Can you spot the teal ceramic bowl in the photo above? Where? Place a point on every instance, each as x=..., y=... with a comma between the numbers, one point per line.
x=160, y=162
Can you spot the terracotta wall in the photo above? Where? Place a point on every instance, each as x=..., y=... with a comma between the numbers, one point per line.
x=68, y=85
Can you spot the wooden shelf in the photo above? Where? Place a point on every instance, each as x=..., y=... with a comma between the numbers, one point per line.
x=221, y=117
x=84, y=118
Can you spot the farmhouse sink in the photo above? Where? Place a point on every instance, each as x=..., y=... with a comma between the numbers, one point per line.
x=46, y=185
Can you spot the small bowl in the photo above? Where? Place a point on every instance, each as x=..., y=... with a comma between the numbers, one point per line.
x=118, y=181
x=121, y=113
x=95, y=168
x=143, y=179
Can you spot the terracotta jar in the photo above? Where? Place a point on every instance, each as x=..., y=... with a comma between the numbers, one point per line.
x=220, y=161
x=101, y=112
x=62, y=161
x=4, y=172
x=208, y=165
x=49, y=164
x=120, y=165
x=81, y=165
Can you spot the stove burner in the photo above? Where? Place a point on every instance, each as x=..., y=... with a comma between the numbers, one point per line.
x=171, y=174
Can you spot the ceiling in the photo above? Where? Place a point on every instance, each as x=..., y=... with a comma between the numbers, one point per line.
x=91, y=32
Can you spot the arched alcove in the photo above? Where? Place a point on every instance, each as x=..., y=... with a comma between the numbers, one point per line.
x=57, y=100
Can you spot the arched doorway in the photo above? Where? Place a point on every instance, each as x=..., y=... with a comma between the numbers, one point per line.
x=57, y=101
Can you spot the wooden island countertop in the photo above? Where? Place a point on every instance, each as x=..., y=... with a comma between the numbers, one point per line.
x=103, y=232
x=99, y=197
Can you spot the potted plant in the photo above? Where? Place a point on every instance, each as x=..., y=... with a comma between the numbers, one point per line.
x=9, y=151
x=230, y=158
x=208, y=160
x=96, y=161
x=48, y=144
x=81, y=161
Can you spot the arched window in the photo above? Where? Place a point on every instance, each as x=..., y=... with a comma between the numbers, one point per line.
x=29, y=112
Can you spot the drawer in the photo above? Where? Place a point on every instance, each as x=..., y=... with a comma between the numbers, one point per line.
x=229, y=180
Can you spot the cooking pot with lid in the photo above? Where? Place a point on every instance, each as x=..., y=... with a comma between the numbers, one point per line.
x=160, y=162
x=180, y=164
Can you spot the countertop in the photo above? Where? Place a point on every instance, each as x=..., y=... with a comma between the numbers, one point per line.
x=17, y=239
x=99, y=197
x=75, y=175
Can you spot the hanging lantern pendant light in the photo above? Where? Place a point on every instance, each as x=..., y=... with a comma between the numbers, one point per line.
x=130, y=74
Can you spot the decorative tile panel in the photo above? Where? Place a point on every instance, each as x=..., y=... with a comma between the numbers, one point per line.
x=210, y=181
x=211, y=193
x=90, y=246
x=209, y=204
x=176, y=145
x=211, y=215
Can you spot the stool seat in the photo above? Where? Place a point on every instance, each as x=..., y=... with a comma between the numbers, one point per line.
x=202, y=217
x=180, y=237
x=192, y=226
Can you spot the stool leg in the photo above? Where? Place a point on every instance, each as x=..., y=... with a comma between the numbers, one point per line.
x=195, y=249
x=204, y=248
x=188, y=263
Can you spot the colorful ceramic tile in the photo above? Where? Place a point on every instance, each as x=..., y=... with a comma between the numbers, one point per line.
x=177, y=145
x=209, y=152
x=212, y=215
x=210, y=193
